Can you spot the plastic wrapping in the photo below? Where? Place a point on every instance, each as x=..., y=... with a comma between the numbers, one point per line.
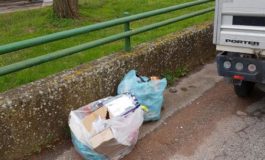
x=124, y=129
x=148, y=92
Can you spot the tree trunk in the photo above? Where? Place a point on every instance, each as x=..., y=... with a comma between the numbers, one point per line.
x=65, y=8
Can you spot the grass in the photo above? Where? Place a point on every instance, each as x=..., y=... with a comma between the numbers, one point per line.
x=172, y=76
x=27, y=24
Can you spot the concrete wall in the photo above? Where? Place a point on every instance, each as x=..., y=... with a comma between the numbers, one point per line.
x=35, y=115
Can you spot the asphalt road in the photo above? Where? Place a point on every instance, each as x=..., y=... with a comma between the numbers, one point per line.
x=202, y=120
x=217, y=126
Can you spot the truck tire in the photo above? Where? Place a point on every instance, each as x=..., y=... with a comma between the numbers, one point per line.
x=244, y=89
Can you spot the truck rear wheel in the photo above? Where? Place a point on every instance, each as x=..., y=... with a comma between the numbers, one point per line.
x=244, y=88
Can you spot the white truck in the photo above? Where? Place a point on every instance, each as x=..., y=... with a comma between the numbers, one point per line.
x=239, y=35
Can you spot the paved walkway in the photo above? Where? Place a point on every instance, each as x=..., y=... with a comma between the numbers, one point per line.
x=18, y=5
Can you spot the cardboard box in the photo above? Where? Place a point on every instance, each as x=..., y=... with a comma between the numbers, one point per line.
x=100, y=113
x=106, y=144
x=101, y=137
x=103, y=142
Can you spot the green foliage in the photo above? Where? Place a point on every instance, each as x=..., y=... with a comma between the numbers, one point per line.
x=28, y=24
x=172, y=76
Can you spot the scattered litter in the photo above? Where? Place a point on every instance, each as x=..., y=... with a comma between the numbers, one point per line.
x=148, y=91
x=173, y=90
x=107, y=128
x=240, y=113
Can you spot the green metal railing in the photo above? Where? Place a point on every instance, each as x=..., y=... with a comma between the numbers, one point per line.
x=126, y=35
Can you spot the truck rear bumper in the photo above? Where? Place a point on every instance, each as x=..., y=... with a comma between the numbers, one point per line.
x=257, y=76
x=240, y=49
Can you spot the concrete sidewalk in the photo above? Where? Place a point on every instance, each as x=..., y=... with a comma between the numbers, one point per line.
x=187, y=90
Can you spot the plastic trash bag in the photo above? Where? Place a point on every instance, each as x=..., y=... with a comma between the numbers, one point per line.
x=85, y=151
x=125, y=129
x=148, y=92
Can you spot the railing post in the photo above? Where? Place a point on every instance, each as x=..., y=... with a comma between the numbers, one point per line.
x=127, y=40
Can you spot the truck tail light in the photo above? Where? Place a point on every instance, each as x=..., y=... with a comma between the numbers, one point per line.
x=238, y=77
x=252, y=67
